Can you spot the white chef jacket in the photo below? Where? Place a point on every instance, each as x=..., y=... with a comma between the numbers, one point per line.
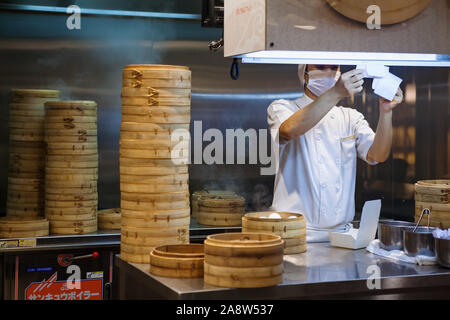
x=317, y=170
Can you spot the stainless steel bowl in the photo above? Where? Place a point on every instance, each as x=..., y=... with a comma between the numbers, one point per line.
x=442, y=247
x=390, y=234
x=420, y=242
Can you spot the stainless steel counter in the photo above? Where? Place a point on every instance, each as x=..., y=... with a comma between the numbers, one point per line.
x=322, y=272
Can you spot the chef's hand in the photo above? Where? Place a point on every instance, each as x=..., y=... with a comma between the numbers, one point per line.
x=350, y=83
x=387, y=106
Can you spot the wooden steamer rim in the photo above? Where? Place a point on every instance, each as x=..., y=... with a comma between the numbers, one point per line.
x=177, y=261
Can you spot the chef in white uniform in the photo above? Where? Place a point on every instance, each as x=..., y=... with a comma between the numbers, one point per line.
x=318, y=144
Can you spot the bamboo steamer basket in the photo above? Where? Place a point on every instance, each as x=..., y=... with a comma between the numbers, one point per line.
x=292, y=231
x=223, y=210
x=71, y=139
x=142, y=205
x=72, y=197
x=72, y=165
x=243, y=260
x=178, y=261
x=109, y=219
x=155, y=111
x=156, y=92
x=155, y=128
x=162, y=83
x=20, y=227
x=84, y=158
x=156, y=101
x=70, y=204
x=155, y=198
x=434, y=195
x=177, y=153
x=153, y=144
x=71, y=217
x=155, y=215
x=51, y=118
x=198, y=194
x=166, y=179
x=70, y=132
x=70, y=211
x=70, y=105
x=155, y=223
x=156, y=72
x=152, y=170
x=149, y=135
x=391, y=11
x=77, y=227
x=157, y=118
x=153, y=188
x=160, y=164
x=36, y=93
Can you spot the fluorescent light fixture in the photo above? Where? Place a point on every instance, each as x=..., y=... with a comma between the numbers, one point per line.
x=346, y=58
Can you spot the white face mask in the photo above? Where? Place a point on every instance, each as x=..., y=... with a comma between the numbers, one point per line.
x=320, y=81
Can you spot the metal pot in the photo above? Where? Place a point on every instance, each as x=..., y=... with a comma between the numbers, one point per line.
x=420, y=242
x=390, y=234
x=442, y=247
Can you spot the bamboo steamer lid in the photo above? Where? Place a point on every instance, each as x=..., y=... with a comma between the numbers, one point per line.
x=109, y=219
x=71, y=105
x=140, y=72
x=156, y=92
x=161, y=128
x=20, y=227
x=150, y=118
x=155, y=215
x=391, y=11
x=37, y=93
x=177, y=261
x=243, y=249
x=291, y=230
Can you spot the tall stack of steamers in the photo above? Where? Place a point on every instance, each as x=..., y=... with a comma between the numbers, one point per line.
x=154, y=149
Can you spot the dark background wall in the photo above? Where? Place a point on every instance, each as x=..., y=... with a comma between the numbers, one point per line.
x=38, y=51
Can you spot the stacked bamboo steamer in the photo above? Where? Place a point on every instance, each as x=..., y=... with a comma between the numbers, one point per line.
x=177, y=261
x=434, y=195
x=71, y=166
x=243, y=260
x=154, y=150
x=109, y=219
x=221, y=210
x=23, y=227
x=27, y=152
x=197, y=195
x=291, y=227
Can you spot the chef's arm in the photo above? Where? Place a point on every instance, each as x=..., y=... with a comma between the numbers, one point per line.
x=306, y=118
x=381, y=147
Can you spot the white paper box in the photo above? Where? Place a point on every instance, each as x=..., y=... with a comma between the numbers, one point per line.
x=360, y=238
